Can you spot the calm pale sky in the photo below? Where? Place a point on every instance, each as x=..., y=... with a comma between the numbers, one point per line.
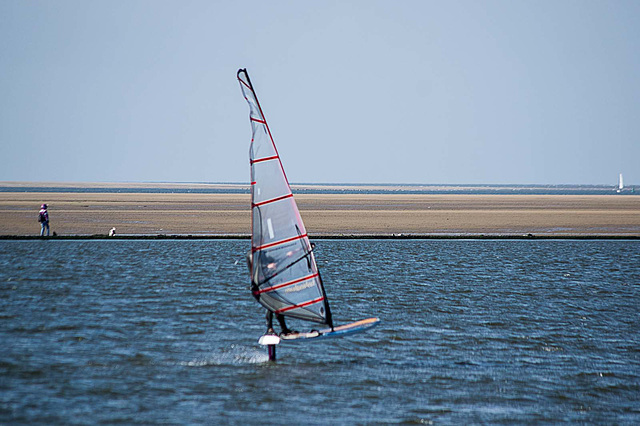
x=451, y=92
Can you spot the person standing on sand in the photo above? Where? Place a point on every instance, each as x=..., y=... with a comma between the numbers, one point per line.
x=43, y=218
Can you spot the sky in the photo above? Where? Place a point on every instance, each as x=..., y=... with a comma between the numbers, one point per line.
x=414, y=92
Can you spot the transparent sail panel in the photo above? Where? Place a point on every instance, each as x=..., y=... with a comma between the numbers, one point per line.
x=284, y=270
x=268, y=171
x=291, y=284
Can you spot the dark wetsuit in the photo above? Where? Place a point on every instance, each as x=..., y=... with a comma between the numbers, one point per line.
x=269, y=316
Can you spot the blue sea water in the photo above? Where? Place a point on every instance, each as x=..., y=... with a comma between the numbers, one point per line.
x=339, y=188
x=472, y=331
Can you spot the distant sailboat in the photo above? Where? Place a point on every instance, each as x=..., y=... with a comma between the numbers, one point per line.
x=620, y=183
x=284, y=275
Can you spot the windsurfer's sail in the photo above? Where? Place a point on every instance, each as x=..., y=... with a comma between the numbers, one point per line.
x=284, y=275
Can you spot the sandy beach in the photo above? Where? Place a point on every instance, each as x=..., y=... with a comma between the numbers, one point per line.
x=81, y=214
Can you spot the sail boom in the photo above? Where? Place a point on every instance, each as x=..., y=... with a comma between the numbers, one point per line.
x=287, y=284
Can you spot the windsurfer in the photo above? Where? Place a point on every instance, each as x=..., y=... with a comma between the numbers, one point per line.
x=254, y=285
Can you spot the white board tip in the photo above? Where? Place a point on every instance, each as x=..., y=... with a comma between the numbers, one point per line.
x=269, y=339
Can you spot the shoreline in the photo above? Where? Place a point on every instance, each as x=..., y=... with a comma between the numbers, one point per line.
x=363, y=215
x=329, y=237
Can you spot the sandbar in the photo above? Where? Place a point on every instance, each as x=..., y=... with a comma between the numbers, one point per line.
x=228, y=214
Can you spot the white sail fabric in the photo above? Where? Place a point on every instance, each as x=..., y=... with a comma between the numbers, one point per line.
x=284, y=274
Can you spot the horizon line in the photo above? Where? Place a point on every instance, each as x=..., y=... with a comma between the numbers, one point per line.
x=8, y=183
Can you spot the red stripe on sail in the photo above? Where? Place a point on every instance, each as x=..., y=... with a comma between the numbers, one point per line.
x=279, y=286
x=301, y=305
x=288, y=240
x=248, y=87
x=259, y=160
x=273, y=200
x=258, y=121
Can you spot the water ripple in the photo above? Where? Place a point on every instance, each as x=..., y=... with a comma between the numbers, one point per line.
x=472, y=332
